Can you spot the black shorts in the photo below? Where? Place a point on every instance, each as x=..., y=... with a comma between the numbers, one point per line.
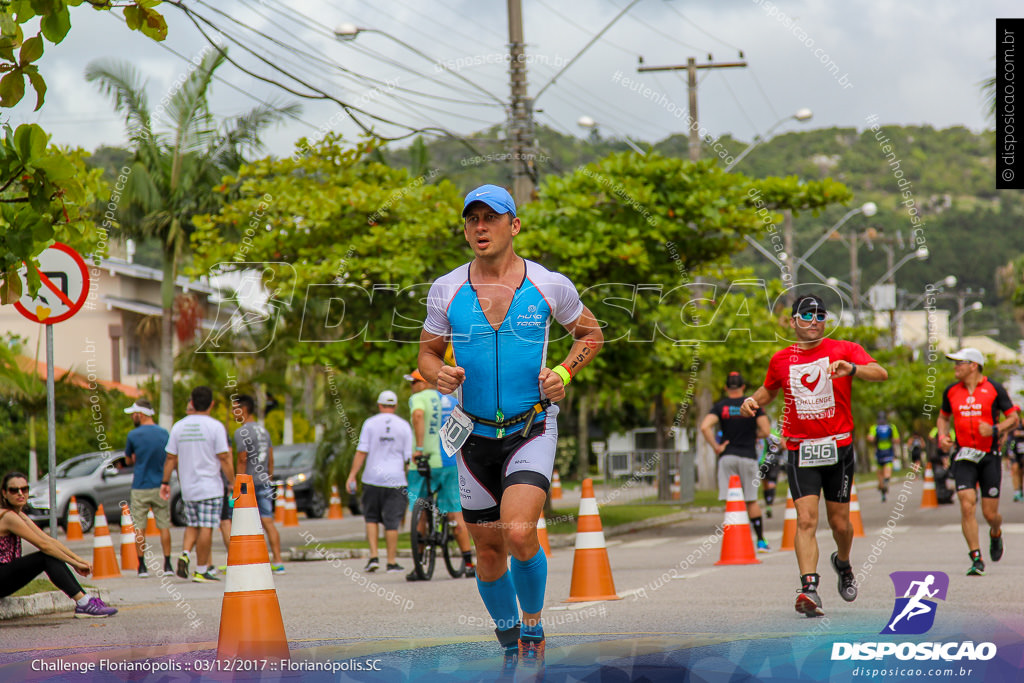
x=383, y=505
x=832, y=481
x=988, y=474
x=769, y=468
x=488, y=466
x=225, y=509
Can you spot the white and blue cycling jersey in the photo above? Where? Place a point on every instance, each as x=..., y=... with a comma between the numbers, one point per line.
x=501, y=365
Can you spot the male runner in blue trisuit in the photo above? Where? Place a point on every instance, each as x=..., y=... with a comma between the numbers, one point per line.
x=496, y=311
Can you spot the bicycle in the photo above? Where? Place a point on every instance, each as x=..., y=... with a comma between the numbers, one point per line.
x=439, y=532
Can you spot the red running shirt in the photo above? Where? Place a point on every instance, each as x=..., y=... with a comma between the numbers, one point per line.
x=816, y=405
x=969, y=410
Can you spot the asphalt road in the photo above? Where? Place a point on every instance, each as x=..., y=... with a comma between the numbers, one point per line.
x=678, y=609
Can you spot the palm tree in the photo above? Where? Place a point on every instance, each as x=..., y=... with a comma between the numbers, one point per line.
x=174, y=171
x=21, y=384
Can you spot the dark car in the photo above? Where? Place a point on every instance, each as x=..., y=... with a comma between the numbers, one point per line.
x=93, y=479
x=295, y=464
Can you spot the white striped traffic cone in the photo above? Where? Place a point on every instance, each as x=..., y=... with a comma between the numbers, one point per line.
x=542, y=534
x=291, y=514
x=737, y=544
x=74, y=522
x=251, y=626
x=334, y=512
x=591, y=570
x=556, y=486
x=279, y=504
x=856, y=521
x=929, y=499
x=789, y=525
x=151, y=529
x=104, y=561
x=129, y=552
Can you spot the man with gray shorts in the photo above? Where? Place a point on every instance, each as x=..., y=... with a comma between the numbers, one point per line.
x=737, y=451
x=144, y=448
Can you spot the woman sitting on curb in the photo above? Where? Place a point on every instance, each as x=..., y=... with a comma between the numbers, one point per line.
x=16, y=571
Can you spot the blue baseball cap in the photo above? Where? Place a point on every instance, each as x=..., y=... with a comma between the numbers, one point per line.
x=493, y=196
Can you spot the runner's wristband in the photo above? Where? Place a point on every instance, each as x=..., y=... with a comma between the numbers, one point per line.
x=562, y=372
x=165, y=483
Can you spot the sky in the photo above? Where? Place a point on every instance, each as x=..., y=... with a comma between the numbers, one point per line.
x=912, y=62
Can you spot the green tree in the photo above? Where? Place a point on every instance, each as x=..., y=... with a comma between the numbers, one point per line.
x=174, y=171
x=42, y=190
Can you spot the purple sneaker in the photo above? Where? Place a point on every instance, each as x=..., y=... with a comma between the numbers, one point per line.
x=96, y=609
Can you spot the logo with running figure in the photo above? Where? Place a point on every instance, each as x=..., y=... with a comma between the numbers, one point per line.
x=914, y=612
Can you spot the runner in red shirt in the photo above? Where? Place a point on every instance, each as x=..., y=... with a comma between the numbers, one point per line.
x=975, y=403
x=816, y=375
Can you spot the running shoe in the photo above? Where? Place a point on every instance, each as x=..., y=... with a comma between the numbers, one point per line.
x=808, y=603
x=977, y=568
x=94, y=609
x=1018, y=497
x=768, y=511
x=847, y=587
x=183, y=566
x=762, y=546
x=206, y=577
x=995, y=547
x=470, y=571
x=372, y=565
x=394, y=568
x=143, y=571
x=413, y=576
x=277, y=568
x=511, y=659
x=531, y=652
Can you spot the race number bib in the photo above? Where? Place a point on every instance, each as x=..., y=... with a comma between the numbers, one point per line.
x=456, y=430
x=970, y=454
x=818, y=452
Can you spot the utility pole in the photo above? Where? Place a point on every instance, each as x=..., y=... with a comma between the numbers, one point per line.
x=691, y=68
x=790, y=247
x=854, y=278
x=520, y=115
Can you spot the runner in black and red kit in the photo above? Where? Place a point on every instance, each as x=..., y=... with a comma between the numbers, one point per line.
x=816, y=376
x=975, y=404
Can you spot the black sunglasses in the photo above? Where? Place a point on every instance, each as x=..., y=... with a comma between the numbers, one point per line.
x=17, y=489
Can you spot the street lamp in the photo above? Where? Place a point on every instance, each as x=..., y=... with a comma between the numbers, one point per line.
x=588, y=122
x=347, y=32
x=802, y=114
x=959, y=317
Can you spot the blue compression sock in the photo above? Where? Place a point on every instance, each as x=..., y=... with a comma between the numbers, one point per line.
x=530, y=578
x=500, y=600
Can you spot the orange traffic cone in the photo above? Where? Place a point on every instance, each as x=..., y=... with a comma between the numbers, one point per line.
x=789, y=525
x=129, y=554
x=250, y=617
x=74, y=522
x=151, y=529
x=542, y=534
x=291, y=514
x=104, y=561
x=591, y=570
x=556, y=486
x=737, y=544
x=674, y=487
x=855, y=519
x=279, y=504
x=334, y=512
x=928, y=497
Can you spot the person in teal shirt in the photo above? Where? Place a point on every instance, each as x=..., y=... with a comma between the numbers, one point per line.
x=427, y=413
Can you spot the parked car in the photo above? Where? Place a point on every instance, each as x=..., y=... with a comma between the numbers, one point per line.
x=295, y=464
x=93, y=479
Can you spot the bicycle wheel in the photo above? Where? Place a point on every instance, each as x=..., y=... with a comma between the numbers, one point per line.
x=424, y=552
x=450, y=549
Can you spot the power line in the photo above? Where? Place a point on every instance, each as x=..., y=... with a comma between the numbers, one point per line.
x=757, y=82
x=696, y=26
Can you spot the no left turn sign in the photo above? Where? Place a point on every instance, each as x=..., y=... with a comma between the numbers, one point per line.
x=65, y=286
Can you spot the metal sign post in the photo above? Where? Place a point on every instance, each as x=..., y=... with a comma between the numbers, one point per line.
x=51, y=431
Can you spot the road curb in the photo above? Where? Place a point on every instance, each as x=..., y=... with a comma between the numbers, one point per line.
x=51, y=602
x=556, y=540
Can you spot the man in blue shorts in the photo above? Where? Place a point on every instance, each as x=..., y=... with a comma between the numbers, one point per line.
x=496, y=312
x=427, y=412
